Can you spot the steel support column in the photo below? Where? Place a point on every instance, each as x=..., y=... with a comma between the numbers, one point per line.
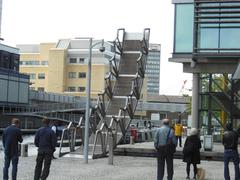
x=195, y=100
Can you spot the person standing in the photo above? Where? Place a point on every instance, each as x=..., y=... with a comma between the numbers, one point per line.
x=191, y=152
x=165, y=143
x=230, y=142
x=178, y=131
x=11, y=136
x=46, y=141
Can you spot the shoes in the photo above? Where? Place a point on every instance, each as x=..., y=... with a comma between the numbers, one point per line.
x=187, y=178
x=194, y=178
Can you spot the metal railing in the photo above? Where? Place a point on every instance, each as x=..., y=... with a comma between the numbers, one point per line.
x=119, y=43
x=126, y=113
x=71, y=133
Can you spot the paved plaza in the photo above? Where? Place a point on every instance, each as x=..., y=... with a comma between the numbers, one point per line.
x=124, y=168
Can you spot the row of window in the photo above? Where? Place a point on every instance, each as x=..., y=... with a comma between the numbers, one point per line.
x=78, y=89
x=37, y=88
x=152, y=67
x=40, y=75
x=76, y=60
x=34, y=63
x=153, y=61
x=152, y=71
x=73, y=75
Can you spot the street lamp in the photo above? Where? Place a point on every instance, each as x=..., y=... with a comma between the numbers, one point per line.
x=87, y=115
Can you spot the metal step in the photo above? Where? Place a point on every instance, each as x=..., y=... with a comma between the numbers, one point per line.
x=128, y=64
x=132, y=45
x=123, y=86
x=115, y=105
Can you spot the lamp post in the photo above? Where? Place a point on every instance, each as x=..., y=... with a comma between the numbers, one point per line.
x=87, y=115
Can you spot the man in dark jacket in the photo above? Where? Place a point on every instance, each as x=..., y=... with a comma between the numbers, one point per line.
x=230, y=142
x=46, y=142
x=11, y=136
x=165, y=142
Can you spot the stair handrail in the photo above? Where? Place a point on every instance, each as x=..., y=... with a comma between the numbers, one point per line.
x=141, y=65
x=219, y=103
x=222, y=90
x=117, y=42
x=218, y=120
x=114, y=66
x=145, y=41
x=62, y=137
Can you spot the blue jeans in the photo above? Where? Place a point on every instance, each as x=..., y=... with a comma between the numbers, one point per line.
x=230, y=154
x=7, y=161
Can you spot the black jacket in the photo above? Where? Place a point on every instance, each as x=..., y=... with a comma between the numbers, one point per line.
x=11, y=136
x=45, y=140
x=230, y=140
x=193, y=155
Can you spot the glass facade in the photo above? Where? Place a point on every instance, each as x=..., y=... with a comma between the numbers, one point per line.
x=183, y=28
x=218, y=26
x=153, y=69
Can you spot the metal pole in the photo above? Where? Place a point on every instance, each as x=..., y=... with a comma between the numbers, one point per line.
x=86, y=139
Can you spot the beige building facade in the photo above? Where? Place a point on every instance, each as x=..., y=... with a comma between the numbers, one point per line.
x=62, y=67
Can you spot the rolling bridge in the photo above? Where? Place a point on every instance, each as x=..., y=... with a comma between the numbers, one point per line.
x=117, y=104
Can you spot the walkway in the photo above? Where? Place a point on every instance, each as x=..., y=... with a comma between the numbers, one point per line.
x=124, y=168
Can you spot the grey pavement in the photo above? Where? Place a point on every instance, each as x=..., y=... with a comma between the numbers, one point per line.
x=124, y=168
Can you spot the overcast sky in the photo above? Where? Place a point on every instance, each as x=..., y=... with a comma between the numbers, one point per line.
x=35, y=21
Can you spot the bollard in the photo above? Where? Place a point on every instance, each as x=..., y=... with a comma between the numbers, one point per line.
x=110, y=158
x=131, y=140
x=24, y=150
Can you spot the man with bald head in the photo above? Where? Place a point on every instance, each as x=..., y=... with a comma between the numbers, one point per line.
x=11, y=136
x=165, y=144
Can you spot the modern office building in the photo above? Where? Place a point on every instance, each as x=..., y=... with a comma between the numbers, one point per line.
x=206, y=37
x=13, y=85
x=62, y=67
x=153, y=69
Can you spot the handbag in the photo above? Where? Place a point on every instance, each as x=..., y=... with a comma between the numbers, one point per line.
x=200, y=174
x=170, y=147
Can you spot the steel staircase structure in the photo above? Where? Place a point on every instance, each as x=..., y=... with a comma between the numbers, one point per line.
x=225, y=96
x=117, y=104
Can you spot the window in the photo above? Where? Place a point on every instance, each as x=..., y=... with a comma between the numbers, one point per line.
x=31, y=63
x=72, y=75
x=44, y=63
x=73, y=60
x=41, y=76
x=163, y=116
x=71, y=89
x=81, y=89
x=184, y=28
x=81, y=60
x=32, y=76
x=40, y=89
x=82, y=75
x=32, y=88
x=155, y=116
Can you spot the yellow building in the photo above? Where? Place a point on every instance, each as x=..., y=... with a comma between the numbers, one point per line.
x=62, y=67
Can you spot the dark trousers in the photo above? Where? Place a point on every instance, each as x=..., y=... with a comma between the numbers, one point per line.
x=7, y=161
x=161, y=165
x=231, y=155
x=179, y=138
x=45, y=158
x=194, y=169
